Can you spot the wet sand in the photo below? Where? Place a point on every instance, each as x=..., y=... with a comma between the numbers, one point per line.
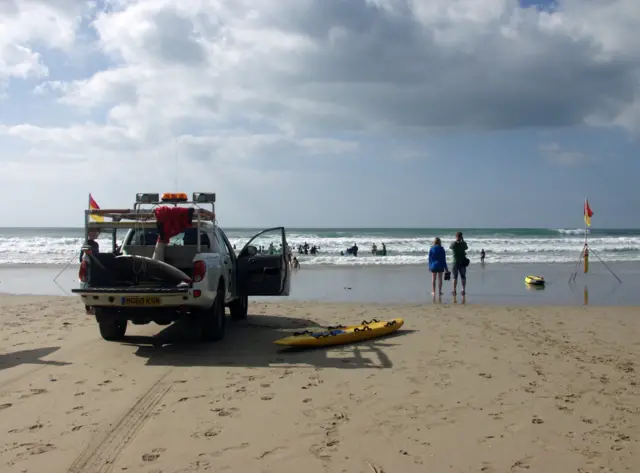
x=501, y=284
x=460, y=388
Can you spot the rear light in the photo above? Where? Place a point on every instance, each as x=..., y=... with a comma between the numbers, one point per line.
x=199, y=271
x=197, y=293
x=82, y=272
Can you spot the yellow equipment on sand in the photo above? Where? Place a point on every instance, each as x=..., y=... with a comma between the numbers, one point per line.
x=340, y=335
x=534, y=280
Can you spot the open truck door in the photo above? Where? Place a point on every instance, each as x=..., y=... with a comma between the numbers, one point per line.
x=263, y=265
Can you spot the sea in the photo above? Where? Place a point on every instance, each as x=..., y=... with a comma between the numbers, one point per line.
x=405, y=246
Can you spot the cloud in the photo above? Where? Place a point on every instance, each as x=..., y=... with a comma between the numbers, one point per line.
x=28, y=25
x=563, y=157
x=259, y=84
x=368, y=64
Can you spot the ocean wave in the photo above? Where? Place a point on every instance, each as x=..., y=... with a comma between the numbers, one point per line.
x=573, y=231
x=403, y=249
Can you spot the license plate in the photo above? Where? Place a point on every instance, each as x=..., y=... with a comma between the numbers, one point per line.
x=140, y=301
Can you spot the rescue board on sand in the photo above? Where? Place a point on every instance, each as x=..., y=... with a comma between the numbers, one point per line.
x=342, y=334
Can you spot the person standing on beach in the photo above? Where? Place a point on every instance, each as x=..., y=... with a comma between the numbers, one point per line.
x=460, y=262
x=91, y=242
x=437, y=265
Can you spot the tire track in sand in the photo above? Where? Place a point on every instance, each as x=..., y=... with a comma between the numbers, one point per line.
x=103, y=450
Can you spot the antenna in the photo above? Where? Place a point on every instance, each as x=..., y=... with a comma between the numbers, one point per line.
x=177, y=156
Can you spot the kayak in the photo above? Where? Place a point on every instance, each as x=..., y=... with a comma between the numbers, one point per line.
x=342, y=334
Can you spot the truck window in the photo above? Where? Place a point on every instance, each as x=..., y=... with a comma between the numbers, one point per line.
x=149, y=237
x=190, y=237
x=143, y=237
x=226, y=246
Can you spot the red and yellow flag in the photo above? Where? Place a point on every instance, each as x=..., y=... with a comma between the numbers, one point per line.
x=93, y=205
x=588, y=213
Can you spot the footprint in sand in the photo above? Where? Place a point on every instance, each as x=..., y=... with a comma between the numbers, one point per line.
x=31, y=428
x=242, y=446
x=5, y=406
x=149, y=457
x=266, y=398
x=33, y=392
x=209, y=433
x=225, y=412
x=75, y=409
x=36, y=448
x=523, y=463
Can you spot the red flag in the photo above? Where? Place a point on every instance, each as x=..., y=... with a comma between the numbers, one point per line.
x=93, y=205
x=588, y=213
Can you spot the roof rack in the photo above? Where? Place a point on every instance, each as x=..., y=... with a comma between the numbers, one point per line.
x=139, y=217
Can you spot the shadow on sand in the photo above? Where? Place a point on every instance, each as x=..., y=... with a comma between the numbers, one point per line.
x=250, y=343
x=9, y=360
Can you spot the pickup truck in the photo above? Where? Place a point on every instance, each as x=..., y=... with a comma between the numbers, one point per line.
x=193, y=275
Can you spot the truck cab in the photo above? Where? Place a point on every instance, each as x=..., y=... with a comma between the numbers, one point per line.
x=163, y=272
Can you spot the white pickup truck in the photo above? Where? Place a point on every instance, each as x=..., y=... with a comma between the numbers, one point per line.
x=175, y=264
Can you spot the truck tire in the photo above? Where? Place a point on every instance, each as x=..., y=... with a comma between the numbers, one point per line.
x=213, y=320
x=112, y=330
x=239, y=308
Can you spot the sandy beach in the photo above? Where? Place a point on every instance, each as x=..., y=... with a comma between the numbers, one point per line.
x=460, y=388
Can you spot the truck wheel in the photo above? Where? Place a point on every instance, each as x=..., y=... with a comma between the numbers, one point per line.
x=239, y=308
x=213, y=323
x=112, y=329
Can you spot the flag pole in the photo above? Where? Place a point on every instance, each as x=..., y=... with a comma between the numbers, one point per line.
x=86, y=218
x=586, y=249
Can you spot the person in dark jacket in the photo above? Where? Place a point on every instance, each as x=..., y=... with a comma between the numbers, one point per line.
x=460, y=262
x=437, y=264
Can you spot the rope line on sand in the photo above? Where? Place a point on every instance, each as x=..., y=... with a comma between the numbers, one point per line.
x=55, y=280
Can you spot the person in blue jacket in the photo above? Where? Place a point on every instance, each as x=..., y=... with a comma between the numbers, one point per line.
x=437, y=264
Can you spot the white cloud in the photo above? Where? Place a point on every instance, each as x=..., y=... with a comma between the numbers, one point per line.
x=486, y=64
x=28, y=25
x=246, y=80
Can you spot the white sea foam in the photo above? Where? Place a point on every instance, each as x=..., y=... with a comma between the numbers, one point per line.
x=565, y=246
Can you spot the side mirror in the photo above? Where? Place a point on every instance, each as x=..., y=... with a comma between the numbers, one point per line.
x=250, y=251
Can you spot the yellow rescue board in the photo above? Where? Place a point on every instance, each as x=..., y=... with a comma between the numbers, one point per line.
x=534, y=280
x=341, y=334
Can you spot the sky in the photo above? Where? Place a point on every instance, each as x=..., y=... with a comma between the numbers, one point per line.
x=324, y=113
